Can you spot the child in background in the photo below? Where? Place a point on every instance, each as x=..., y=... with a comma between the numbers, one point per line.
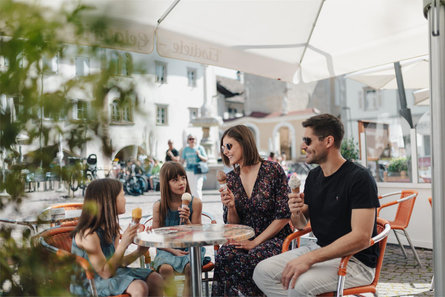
x=96, y=238
x=168, y=212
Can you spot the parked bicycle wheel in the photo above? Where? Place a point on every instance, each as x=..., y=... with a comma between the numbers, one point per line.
x=74, y=182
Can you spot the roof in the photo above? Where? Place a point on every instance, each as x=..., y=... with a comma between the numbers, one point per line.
x=229, y=87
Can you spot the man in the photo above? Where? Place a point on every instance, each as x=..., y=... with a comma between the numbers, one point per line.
x=192, y=155
x=340, y=201
x=171, y=154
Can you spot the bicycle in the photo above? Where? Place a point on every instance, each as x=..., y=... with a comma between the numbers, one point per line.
x=83, y=173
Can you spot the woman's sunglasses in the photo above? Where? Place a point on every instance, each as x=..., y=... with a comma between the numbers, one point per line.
x=228, y=147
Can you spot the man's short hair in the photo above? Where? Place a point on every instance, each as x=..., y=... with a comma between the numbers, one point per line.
x=326, y=125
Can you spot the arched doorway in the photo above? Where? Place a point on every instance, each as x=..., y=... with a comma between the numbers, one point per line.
x=130, y=152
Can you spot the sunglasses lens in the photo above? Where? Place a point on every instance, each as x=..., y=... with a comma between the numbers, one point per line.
x=227, y=147
x=307, y=140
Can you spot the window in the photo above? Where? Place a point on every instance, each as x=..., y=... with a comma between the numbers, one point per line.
x=161, y=114
x=80, y=109
x=191, y=77
x=82, y=66
x=371, y=99
x=193, y=113
x=50, y=65
x=161, y=72
x=121, y=112
x=121, y=63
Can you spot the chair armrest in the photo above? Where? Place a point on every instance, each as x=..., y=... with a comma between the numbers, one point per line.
x=210, y=216
x=293, y=236
x=86, y=266
x=395, y=201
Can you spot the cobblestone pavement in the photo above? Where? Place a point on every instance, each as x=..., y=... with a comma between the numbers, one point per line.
x=404, y=277
x=399, y=276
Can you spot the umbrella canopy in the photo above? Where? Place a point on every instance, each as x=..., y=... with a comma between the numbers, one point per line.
x=295, y=41
x=415, y=73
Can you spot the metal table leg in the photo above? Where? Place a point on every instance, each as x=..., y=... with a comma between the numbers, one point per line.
x=196, y=270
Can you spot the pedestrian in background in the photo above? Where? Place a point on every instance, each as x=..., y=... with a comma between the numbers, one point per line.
x=192, y=155
x=171, y=154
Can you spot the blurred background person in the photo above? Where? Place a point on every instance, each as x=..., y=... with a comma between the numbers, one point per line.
x=192, y=154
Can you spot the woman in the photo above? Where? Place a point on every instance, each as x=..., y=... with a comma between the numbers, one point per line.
x=192, y=155
x=256, y=196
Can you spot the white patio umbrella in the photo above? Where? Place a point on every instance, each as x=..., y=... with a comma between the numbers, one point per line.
x=291, y=40
x=415, y=73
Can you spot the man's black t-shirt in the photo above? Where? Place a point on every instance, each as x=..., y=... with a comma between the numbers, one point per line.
x=331, y=200
x=167, y=156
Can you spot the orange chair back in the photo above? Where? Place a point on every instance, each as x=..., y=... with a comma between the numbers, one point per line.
x=371, y=288
x=430, y=199
x=404, y=210
x=68, y=206
x=59, y=237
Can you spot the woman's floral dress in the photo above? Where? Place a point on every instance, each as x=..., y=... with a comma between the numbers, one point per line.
x=269, y=201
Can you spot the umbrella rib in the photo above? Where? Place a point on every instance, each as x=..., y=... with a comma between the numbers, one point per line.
x=166, y=13
x=312, y=31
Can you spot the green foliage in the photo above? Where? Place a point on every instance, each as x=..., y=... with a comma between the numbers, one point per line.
x=30, y=36
x=398, y=165
x=349, y=149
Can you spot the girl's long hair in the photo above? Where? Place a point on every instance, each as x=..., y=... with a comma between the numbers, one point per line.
x=100, y=209
x=169, y=171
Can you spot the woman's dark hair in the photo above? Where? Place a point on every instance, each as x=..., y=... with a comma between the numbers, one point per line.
x=100, y=209
x=245, y=138
x=169, y=171
x=326, y=124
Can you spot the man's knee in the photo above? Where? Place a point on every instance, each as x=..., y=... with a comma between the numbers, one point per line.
x=261, y=272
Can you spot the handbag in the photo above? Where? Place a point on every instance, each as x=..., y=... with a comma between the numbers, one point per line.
x=201, y=168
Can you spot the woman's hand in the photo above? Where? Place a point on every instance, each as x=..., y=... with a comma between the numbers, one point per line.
x=184, y=214
x=227, y=197
x=129, y=234
x=179, y=253
x=244, y=244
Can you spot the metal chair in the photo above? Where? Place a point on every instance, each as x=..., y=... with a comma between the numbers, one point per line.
x=383, y=228
x=405, y=205
x=430, y=200
x=58, y=240
x=54, y=215
x=206, y=268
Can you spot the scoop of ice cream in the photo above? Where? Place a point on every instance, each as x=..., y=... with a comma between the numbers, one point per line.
x=294, y=182
x=221, y=177
x=186, y=198
x=136, y=215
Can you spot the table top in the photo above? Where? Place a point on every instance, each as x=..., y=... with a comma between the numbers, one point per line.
x=193, y=235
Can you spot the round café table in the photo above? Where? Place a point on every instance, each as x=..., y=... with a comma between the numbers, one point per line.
x=193, y=237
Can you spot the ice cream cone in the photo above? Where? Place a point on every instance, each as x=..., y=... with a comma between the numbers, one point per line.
x=222, y=179
x=136, y=216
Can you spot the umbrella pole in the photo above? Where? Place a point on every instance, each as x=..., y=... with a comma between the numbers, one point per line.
x=435, y=12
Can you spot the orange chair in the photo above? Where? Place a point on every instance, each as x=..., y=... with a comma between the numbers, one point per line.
x=58, y=240
x=430, y=200
x=206, y=268
x=402, y=217
x=66, y=214
x=383, y=228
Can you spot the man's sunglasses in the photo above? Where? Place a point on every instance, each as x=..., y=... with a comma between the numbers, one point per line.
x=191, y=139
x=228, y=147
x=307, y=141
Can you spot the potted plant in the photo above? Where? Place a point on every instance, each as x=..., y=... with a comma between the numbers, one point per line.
x=398, y=166
x=349, y=150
